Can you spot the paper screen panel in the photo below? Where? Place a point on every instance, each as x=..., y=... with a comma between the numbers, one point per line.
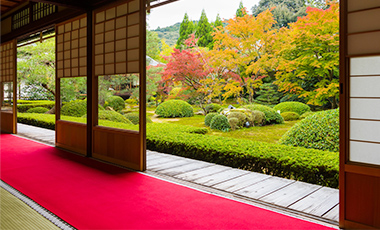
x=116, y=39
x=7, y=51
x=71, y=48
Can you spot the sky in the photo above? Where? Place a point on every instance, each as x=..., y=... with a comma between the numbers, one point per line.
x=172, y=13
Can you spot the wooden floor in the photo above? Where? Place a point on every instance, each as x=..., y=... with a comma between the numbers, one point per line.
x=313, y=201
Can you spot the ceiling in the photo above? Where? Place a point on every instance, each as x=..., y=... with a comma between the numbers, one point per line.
x=7, y=5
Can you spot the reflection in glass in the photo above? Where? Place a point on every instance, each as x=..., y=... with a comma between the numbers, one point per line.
x=119, y=101
x=7, y=97
x=74, y=99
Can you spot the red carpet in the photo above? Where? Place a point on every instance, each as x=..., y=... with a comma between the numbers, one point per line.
x=91, y=195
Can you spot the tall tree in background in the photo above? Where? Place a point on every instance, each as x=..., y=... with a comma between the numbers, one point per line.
x=203, y=32
x=186, y=28
x=308, y=52
x=284, y=12
x=218, y=22
x=244, y=46
x=152, y=44
x=241, y=11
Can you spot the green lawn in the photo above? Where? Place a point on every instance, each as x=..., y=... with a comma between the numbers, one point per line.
x=269, y=133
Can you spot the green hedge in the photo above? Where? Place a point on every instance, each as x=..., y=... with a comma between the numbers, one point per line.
x=317, y=131
x=115, y=102
x=290, y=116
x=135, y=118
x=37, y=110
x=308, y=165
x=25, y=105
x=174, y=108
x=292, y=106
x=75, y=108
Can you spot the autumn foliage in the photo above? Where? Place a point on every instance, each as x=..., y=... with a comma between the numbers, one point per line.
x=249, y=51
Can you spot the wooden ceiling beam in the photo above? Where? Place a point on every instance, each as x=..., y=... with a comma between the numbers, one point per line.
x=69, y=4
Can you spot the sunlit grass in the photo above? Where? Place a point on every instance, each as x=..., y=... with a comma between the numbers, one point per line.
x=269, y=133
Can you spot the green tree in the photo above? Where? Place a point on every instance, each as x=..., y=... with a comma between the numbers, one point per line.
x=186, y=28
x=268, y=94
x=284, y=11
x=152, y=45
x=218, y=22
x=241, y=11
x=203, y=32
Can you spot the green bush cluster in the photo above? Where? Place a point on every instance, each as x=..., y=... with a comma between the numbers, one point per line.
x=318, y=131
x=110, y=115
x=132, y=101
x=303, y=116
x=135, y=118
x=234, y=123
x=212, y=108
x=308, y=165
x=271, y=116
x=241, y=117
x=76, y=108
x=209, y=117
x=115, y=102
x=258, y=117
x=25, y=105
x=290, y=116
x=174, y=108
x=292, y=106
x=220, y=122
x=37, y=110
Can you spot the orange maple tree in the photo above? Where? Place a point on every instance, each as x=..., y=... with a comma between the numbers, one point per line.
x=244, y=47
x=308, y=57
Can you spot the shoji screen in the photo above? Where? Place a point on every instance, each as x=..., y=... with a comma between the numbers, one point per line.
x=71, y=69
x=360, y=119
x=8, y=87
x=119, y=51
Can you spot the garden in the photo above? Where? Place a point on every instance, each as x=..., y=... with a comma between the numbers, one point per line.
x=250, y=95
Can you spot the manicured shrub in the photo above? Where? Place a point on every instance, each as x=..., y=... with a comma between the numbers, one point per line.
x=258, y=117
x=292, y=106
x=115, y=102
x=209, y=117
x=135, y=118
x=132, y=101
x=234, y=123
x=174, y=108
x=242, y=118
x=110, y=115
x=220, y=122
x=212, y=108
x=303, y=116
x=318, y=131
x=290, y=116
x=271, y=116
x=76, y=108
x=25, y=105
x=37, y=110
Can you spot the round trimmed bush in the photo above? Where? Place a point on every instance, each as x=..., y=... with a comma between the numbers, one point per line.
x=303, y=116
x=258, y=117
x=292, y=106
x=242, y=118
x=174, y=108
x=212, y=108
x=135, y=118
x=234, y=123
x=76, y=108
x=271, y=116
x=37, y=110
x=115, y=102
x=290, y=116
x=318, y=131
x=209, y=117
x=110, y=115
x=220, y=122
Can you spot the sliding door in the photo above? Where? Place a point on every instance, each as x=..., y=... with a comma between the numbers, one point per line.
x=360, y=114
x=8, y=87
